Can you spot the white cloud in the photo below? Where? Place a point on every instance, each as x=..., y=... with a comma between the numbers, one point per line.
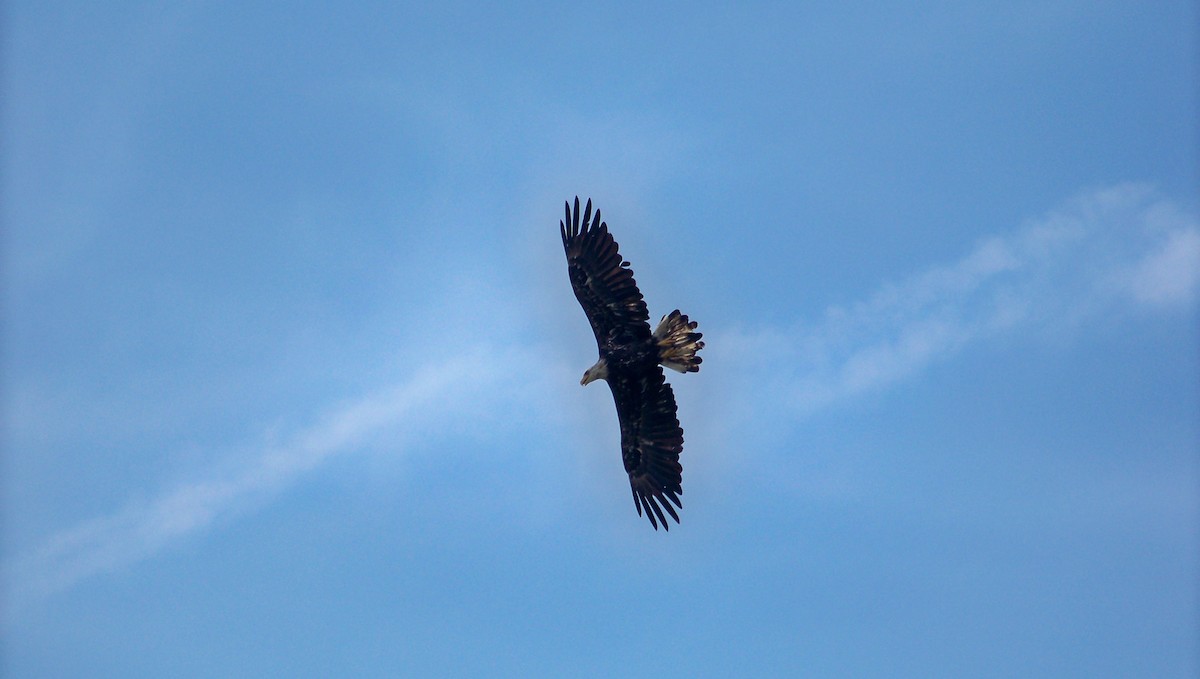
x=431, y=397
x=1170, y=274
x=1094, y=254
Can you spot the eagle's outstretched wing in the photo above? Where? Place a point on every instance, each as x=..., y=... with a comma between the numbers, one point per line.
x=651, y=441
x=603, y=283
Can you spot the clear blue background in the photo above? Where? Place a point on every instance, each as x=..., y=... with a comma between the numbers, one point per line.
x=290, y=359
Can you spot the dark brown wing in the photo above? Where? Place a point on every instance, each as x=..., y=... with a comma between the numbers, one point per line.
x=651, y=441
x=603, y=283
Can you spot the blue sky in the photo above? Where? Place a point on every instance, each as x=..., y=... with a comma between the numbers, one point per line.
x=291, y=362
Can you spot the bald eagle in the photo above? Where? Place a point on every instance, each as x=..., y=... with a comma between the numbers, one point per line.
x=630, y=361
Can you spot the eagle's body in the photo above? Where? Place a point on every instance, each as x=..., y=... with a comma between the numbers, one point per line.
x=630, y=360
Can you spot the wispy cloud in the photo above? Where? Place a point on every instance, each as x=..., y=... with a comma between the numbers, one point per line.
x=1112, y=249
x=431, y=397
x=1168, y=274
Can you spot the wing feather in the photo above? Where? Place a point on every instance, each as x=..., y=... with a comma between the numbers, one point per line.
x=602, y=280
x=651, y=441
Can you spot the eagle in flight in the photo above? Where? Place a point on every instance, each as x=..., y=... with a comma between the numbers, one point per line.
x=630, y=361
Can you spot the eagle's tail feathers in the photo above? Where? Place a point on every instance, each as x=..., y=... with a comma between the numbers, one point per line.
x=678, y=343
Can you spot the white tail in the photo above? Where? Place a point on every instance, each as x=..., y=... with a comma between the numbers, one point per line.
x=677, y=343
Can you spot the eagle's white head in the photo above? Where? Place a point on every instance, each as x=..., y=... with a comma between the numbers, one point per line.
x=599, y=371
